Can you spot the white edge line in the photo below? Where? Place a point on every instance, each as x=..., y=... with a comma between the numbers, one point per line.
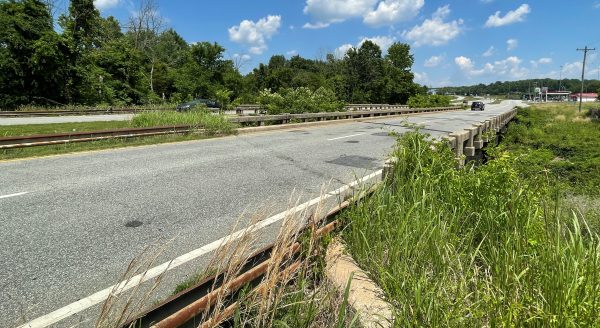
x=14, y=195
x=354, y=135
x=89, y=301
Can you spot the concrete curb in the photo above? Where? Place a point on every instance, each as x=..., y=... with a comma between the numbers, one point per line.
x=365, y=297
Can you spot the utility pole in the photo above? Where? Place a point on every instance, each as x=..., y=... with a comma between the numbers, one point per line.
x=585, y=51
x=560, y=78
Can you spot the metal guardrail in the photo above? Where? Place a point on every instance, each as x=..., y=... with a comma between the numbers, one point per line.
x=63, y=138
x=239, y=110
x=92, y=111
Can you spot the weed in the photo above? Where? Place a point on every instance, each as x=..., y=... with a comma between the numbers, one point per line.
x=474, y=247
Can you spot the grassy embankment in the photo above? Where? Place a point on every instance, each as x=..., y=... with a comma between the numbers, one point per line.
x=213, y=125
x=497, y=245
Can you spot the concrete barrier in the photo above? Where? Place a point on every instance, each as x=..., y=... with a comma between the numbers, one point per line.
x=466, y=142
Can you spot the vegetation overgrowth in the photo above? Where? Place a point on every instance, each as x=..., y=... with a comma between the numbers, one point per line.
x=558, y=141
x=299, y=100
x=428, y=101
x=481, y=246
x=198, y=118
x=82, y=58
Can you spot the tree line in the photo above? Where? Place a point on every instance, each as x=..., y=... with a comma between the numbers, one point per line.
x=523, y=87
x=83, y=58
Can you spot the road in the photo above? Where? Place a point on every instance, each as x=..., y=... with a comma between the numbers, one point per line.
x=63, y=119
x=70, y=224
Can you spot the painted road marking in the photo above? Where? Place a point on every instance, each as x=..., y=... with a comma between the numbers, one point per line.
x=125, y=285
x=15, y=195
x=354, y=135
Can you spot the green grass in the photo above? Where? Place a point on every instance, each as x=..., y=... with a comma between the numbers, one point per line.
x=31, y=129
x=196, y=118
x=474, y=247
x=555, y=141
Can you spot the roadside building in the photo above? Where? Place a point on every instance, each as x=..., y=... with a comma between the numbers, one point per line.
x=585, y=97
x=549, y=95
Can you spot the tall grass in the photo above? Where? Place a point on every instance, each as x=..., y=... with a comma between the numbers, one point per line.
x=203, y=119
x=474, y=247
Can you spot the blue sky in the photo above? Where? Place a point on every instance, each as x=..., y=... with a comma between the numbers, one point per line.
x=453, y=42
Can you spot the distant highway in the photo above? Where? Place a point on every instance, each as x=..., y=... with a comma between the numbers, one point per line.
x=70, y=224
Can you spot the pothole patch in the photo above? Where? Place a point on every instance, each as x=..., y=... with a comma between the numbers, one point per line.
x=355, y=161
x=133, y=224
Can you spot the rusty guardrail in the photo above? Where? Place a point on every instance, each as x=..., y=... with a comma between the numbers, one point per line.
x=63, y=138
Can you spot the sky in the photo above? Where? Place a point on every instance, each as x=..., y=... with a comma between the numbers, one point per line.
x=453, y=42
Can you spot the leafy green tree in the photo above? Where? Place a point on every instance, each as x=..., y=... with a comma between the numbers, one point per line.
x=224, y=98
x=30, y=54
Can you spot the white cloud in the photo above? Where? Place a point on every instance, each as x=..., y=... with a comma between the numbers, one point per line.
x=255, y=34
x=341, y=51
x=541, y=61
x=572, y=69
x=242, y=56
x=315, y=26
x=384, y=42
x=489, y=52
x=513, y=16
x=335, y=11
x=596, y=5
x=421, y=78
x=292, y=52
x=512, y=44
x=373, y=12
x=435, y=31
x=389, y=12
x=509, y=67
x=105, y=4
x=434, y=61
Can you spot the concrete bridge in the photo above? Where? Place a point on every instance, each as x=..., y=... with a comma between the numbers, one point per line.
x=70, y=224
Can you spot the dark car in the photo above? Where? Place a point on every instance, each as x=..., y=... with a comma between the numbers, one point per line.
x=477, y=105
x=211, y=104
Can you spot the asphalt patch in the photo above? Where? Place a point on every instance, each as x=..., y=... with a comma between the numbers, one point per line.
x=361, y=162
x=133, y=224
x=299, y=131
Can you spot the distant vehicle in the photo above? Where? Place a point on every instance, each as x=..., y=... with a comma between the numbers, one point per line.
x=211, y=104
x=477, y=105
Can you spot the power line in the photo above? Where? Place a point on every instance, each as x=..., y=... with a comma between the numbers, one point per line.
x=585, y=51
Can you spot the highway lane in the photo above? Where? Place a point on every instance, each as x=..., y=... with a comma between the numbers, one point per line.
x=70, y=224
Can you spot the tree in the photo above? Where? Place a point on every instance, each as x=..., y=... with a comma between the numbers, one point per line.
x=399, y=82
x=30, y=54
x=145, y=26
x=224, y=98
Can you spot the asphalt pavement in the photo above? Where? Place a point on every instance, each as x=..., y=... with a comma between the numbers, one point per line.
x=70, y=224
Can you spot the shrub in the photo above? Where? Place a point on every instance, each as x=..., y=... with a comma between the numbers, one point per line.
x=299, y=100
x=474, y=247
x=428, y=101
x=198, y=118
